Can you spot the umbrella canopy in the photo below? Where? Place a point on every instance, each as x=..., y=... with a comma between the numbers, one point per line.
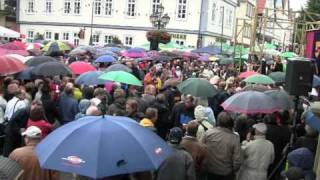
x=269, y=46
x=80, y=67
x=101, y=52
x=278, y=77
x=8, y=51
x=134, y=53
x=288, y=54
x=247, y=74
x=281, y=98
x=25, y=74
x=90, y=78
x=78, y=51
x=203, y=58
x=56, y=46
x=197, y=87
x=37, y=60
x=121, y=146
x=122, y=77
x=226, y=61
x=18, y=57
x=259, y=79
x=250, y=102
x=32, y=46
x=118, y=67
x=89, y=49
x=14, y=46
x=5, y=32
x=10, y=65
x=316, y=81
x=114, y=49
x=209, y=50
x=256, y=87
x=105, y=59
x=51, y=69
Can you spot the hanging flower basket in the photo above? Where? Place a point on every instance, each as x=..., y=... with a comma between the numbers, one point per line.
x=159, y=36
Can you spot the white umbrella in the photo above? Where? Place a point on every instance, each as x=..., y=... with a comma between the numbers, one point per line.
x=5, y=32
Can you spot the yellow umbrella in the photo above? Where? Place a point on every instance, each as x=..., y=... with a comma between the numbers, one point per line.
x=213, y=58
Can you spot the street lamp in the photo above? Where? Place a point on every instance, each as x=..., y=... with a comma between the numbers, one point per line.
x=159, y=21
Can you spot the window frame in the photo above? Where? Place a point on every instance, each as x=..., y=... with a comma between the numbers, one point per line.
x=108, y=3
x=186, y=10
x=155, y=4
x=109, y=36
x=213, y=12
x=46, y=35
x=77, y=7
x=125, y=40
x=29, y=38
x=97, y=37
x=30, y=10
x=46, y=6
x=65, y=12
x=65, y=36
x=133, y=8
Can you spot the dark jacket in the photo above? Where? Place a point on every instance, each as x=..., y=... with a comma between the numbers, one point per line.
x=178, y=166
x=163, y=123
x=68, y=108
x=118, y=107
x=181, y=114
x=216, y=101
x=50, y=109
x=137, y=116
x=145, y=101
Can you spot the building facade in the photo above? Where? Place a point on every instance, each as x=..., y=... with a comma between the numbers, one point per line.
x=191, y=21
x=244, y=20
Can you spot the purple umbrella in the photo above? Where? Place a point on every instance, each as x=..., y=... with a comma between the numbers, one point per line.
x=250, y=102
x=203, y=58
x=135, y=53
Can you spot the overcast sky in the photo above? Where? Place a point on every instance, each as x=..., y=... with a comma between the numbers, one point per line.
x=297, y=4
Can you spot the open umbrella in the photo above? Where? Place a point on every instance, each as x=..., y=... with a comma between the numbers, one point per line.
x=80, y=67
x=56, y=46
x=281, y=98
x=37, y=60
x=250, y=102
x=102, y=52
x=259, y=79
x=32, y=46
x=105, y=59
x=247, y=74
x=10, y=65
x=90, y=78
x=208, y=50
x=134, y=53
x=18, y=57
x=78, y=51
x=13, y=46
x=288, y=54
x=256, y=87
x=114, y=49
x=9, y=51
x=98, y=147
x=118, y=67
x=278, y=77
x=51, y=69
x=122, y=77
x=25, y=74
x=226, y=61
x=197, y=87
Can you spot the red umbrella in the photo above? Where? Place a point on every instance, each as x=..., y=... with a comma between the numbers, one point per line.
x=10, y=65
x=81, y=67
x=247, y=74
x=13, y=46
x=9, y=51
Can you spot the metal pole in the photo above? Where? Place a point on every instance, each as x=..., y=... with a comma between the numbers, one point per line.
x=222, y=25
x=199, y=43
x=91, y=24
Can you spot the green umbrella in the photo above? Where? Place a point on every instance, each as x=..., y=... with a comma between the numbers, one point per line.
x=226, y=61
x=278, y=77
x=288, y=54
x=270, y=46
x=61, y=45
x=197, y=87
x=122, y=77
x=259, y=79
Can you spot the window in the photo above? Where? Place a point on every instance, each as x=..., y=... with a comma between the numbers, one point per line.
x=131, y=11
x=76, y=40
x=230, y=18
x=128, y=41
x=48, y=35
x=97, y=7
x=108, y=39
x=30, y=36
x=48, y=6
x=213, y=16
x=108, y=7
x=249, y=11
x=182, y=9
x=30, y=6
x=247, y=31
x=67, y=6
x=180, y=42
x=221, y=15
x=65, y=36
x=155, y=5
x=95, y=38
x=77, y=6
x=179, y=38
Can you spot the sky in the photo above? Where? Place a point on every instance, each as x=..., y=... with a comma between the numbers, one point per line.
x=297, y=4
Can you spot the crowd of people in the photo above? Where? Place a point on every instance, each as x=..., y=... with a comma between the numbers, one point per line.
x=207, y=142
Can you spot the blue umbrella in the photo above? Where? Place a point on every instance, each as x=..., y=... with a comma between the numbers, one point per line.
x=209, y=50
x=105, y=59
x=101, y=52
x=90, y=78
x=132, y=50
x=25, y=74
x=114, y=49
x=316, y=81
x=102, y=146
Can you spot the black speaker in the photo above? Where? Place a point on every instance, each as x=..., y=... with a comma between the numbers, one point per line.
x=299, y=77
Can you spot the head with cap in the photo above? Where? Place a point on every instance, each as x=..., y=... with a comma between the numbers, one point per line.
x=260, y=129
x=175, y=135
x=32, y=135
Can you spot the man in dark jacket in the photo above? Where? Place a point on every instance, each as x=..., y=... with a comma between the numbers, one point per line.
x=118, y=107
x=179, y=165
x=163, y=123
x=67, y=105
x=183, y=112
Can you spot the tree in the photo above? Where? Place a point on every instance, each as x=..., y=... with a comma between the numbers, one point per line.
x=313, y=6
x=116, y=40
x=38, y=36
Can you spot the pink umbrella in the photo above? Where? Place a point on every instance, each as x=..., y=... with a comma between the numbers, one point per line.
x=34, y=46
x=8, y=51
x=136, y=54
x=247, y=74
x=9, y=65
x=13, y=46
x=81, y=67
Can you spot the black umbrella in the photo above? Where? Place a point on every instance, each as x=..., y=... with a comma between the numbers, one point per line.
x=25, y=74
x=9, y=169
x=118, y=67
x=51, y=69
x=282, y=98
x=163, y=58
x=35, y=61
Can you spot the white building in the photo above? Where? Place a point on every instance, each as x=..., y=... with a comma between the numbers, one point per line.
x=126, y=19
x=245, y=16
